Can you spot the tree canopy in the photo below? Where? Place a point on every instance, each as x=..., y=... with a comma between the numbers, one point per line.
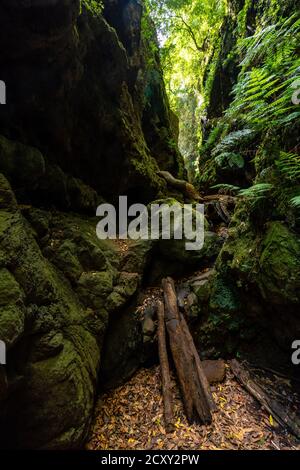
x=188, y=33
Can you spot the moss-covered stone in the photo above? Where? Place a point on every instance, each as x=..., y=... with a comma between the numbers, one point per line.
x=279, y=279
x=12, y=309
x=21, y=164
x=12, y=319
x=94, y=288
x=224, y=296
x=54, y=341
x=137, y=257
x=7, y=197
x=9, y=288
x=175, y=250
x=66, y=260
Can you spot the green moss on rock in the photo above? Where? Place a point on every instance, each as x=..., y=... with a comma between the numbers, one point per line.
x=279, y=279
x=21, y=164
x=224, y=296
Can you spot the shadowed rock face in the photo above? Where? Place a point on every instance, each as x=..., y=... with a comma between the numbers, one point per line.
x=59, y=287
x=255, y=289
x=78, y=87
x=76, y=91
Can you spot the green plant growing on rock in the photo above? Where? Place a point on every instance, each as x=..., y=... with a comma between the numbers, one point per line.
x=289, y=166
x=94, y=6
x=270, y=66
x=295, y=202
x=226, y=188
x=230, y=159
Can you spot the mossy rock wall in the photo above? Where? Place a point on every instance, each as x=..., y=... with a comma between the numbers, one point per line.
x=80, y=95
x=59, y=286
x=259, y=262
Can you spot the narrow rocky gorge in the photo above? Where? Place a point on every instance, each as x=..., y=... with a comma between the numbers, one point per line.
x=88, y=119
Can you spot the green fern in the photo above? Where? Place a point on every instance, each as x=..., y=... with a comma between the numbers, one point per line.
x=295, y=202
x=256, y=192
x=228, y=188
x=233, y=140
x=272, y=43
x=270, y=66
x=289, y=166
x=230, y=160
x=94, y=6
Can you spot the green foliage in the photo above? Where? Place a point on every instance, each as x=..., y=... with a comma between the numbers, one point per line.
x=272, y=45
x=265, y=101
x=187, y=31
x=234, y=140
x=295, y=202
x=256, y=192
x=226, y=188
x=258, y=200
x=230, y=159
x=242, y=18
x=150, y=39
x=270, y=66
x=214, y=136
x=289, y=166
x=94, y=6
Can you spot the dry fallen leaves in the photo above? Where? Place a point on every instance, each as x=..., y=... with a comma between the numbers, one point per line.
x=131, y=417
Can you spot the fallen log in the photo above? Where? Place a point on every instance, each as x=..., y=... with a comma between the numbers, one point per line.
x=284, y=417
x=187, y=189
x=193, y=383
x=165, y=369
x=201, y=374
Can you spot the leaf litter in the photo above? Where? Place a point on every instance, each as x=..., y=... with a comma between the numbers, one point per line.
x=131, y=418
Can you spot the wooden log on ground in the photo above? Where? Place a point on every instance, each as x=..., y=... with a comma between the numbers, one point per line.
x=201, y=375
x=165, y=369
x=187, y=189
x=193, y=386
x=284, y=417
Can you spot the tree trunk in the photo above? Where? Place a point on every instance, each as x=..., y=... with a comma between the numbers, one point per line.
x=202, y=377
x=196, y=399
x=165, y=369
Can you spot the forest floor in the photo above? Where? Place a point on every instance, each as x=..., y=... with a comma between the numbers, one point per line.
x=131, y=417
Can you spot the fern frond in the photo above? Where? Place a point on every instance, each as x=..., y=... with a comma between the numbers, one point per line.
x=295, y=202
x=230, y=159
x=258, y=191
x=232, y=140
x=289, y=166
x=227, y=187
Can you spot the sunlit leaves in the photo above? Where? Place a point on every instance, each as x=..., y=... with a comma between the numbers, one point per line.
x=270, y=67
x=187, y=31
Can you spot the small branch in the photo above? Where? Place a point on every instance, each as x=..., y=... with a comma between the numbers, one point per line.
x=285, y=418
x=192, y=34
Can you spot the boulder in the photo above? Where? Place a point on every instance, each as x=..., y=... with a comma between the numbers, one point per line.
x=54, y=343
x=279, y=278
x=21, y=164
x=55, y=277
